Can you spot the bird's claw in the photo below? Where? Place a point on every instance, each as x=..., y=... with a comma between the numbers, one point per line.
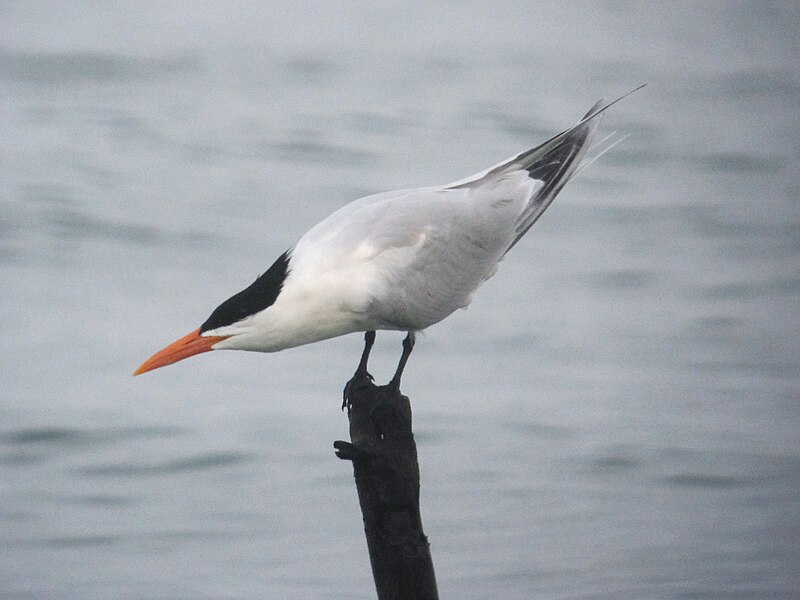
x=363, y=379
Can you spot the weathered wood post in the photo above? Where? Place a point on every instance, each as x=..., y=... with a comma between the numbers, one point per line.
x=386, y=470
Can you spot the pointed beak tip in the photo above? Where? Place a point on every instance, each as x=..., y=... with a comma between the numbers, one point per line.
x=188, y=345
x=154, y=362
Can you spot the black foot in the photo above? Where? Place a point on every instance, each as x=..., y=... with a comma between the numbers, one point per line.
x=359, y=381
x=361, y=378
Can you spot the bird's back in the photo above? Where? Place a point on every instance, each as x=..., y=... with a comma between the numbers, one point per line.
x=398, y=260
x=410, y=258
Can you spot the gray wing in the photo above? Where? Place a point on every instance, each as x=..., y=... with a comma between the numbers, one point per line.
x=409, y=258
x=551, y=164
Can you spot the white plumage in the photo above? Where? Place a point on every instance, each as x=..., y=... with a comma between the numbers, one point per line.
x=401, y=260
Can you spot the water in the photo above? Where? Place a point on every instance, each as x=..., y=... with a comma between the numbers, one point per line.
x=615, y=416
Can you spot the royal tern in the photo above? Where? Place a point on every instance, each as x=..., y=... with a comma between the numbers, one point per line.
x=400, y=260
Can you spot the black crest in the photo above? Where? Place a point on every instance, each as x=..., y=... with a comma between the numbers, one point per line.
x=261, y=294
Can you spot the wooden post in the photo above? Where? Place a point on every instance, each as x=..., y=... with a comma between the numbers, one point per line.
x=384, y=458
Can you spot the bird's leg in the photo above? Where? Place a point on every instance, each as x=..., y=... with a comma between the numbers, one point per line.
x=361, y=375
x=361, y=371
x=408, y=346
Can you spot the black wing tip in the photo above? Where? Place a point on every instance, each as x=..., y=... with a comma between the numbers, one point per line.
x=577, y=135
x=259, y=295
x=601, y=106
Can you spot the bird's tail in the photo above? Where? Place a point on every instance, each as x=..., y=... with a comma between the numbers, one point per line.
x=554, y=163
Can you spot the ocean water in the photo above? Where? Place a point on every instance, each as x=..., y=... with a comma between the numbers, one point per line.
x=615, y=416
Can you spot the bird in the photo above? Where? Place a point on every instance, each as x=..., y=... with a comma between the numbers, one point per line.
x=400, y=260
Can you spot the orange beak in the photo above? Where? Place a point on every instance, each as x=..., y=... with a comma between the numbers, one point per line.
x=185, y=347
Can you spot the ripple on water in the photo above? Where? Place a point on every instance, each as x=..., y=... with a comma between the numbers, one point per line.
x=78, y=541
x=540, y=430
x=80, y=67
x=742, y=83
x=616, y=461
x=308, y=152
x=198, y=462
x=310, y=69
x=623, y=279
x=69, y=223
x=705, y=480
x=43, y=435
x=376, y=123
x=68, y=436
x=736, y=162
x=104, y=500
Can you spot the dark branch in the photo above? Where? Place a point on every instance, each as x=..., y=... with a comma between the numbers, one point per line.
x=384, y=458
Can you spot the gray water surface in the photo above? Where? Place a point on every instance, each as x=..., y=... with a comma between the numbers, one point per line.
x=615, y=416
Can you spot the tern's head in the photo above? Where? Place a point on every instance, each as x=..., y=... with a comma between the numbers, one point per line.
x=230, y=320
